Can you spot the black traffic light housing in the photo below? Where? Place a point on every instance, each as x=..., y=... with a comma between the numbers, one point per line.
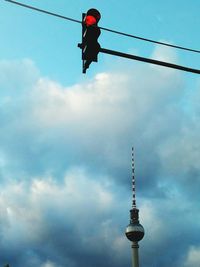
x=90, y=34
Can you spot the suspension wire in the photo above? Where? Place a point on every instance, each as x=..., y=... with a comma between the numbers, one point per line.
x=43, y=11
x=102, y=28
x=149, y=40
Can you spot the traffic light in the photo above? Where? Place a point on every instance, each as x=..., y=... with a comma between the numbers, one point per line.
x=90, y=34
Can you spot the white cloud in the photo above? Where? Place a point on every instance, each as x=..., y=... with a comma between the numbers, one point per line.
x=65, y=154
x=164, y=53
x=193, y=257
x=49, y=264
x=154, y=225
x=33, y=213
x=23, y=205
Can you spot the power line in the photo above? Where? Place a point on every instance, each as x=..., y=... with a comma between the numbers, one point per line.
x=105, y=29
x=151, y=41
x=43, y=11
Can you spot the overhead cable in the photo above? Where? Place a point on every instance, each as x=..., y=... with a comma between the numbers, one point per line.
x=103, y=28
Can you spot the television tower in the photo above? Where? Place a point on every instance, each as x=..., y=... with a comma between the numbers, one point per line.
x=134, y=231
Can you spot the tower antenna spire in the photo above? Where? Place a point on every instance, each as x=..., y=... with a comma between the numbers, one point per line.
x=133, y=181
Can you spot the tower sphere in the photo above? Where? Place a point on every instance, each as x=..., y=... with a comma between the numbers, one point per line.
x=134, y=232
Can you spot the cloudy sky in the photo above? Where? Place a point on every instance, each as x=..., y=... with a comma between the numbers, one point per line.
x=66, y=138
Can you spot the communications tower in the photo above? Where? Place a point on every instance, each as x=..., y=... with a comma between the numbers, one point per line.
x=134, y=231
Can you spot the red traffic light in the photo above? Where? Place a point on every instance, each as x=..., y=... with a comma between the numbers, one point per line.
x=90, y=33
x=90, y=20
x=94, y=13
x=92, y=17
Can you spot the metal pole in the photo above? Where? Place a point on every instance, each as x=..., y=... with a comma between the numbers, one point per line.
x=135, y=255
x=148, y=60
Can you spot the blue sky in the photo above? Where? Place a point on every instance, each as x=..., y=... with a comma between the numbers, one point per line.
x=47, y=39
x=66, y=138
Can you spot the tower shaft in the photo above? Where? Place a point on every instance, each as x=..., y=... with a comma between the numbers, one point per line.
x=135, y=254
